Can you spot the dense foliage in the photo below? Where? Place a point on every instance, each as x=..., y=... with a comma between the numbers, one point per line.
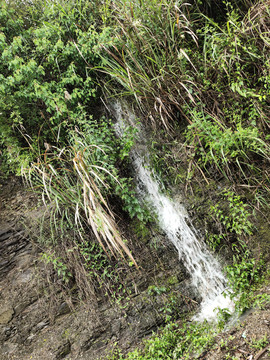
x=50, y=95
x=182, y=66
x=176, y=341
x=46, y=85
x=200, y=69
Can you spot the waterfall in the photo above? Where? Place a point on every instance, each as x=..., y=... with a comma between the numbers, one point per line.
x=173, y=219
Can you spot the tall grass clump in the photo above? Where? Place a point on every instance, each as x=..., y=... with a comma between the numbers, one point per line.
x=229, y=131
x=79, y=236
x=151, y=57
x=72, y=184
x=229, y=149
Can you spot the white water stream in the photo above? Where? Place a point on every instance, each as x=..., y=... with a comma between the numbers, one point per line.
x=204, y=269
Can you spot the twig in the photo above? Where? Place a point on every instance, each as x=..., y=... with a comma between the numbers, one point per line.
x=261, y=352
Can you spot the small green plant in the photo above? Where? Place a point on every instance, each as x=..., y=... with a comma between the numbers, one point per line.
x=156, y=290
x=171, y=308
x=236, y=218
x=217, y=144
x=125, y=190
x=259, y=344
x=223, y=316
x=233, y=224
x=243, y=274
x=59, y=266
x=262, y=301
x=230, y=357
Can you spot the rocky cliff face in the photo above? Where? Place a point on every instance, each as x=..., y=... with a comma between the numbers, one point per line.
x=39, y=321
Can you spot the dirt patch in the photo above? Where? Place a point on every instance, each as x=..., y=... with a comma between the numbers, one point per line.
x=248, y=340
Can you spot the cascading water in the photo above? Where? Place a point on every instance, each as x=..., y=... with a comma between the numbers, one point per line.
x=204, y=269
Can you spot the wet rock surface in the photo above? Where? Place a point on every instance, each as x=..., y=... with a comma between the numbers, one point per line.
x=28, y=330
x=13, y=248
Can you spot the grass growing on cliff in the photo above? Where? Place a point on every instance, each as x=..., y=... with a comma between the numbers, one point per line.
x=48, y=90
x=230, y=127
x=179, y=64
x=72, y=179
x=150, y=57
x=206, y=77
x=182, y=66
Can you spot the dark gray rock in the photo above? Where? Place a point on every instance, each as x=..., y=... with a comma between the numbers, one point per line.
x=63, y=351
x=63, y=309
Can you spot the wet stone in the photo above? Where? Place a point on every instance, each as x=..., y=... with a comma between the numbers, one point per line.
x=8, y=348
x=63, y=351
x=63, y=309
x=23, y=305
x=4, y=263
x=42, y=325
x=5, y=236
x=10, y=331
x=6, y=315
x=4, y=231
x=30, y=337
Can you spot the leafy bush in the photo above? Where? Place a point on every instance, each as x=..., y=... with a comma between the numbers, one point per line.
x=45, y=65
x=215, y=143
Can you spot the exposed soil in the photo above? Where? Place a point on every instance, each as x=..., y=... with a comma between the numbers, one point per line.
x=248, y=340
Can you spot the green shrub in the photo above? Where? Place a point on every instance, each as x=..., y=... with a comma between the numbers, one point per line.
x=215, y=143
x=45, y=81
x=175, y=341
